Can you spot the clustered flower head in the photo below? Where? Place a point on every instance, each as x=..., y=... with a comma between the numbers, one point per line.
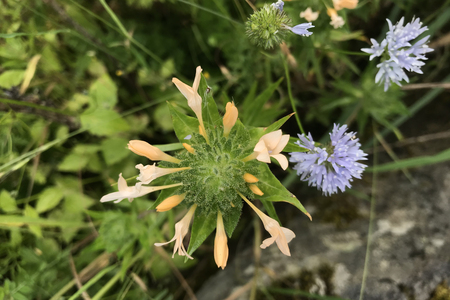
x=269, y=26
x=221, y=166
x=331, y=167
x=398, y=52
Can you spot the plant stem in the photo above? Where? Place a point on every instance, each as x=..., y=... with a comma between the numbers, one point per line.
x=288, y=79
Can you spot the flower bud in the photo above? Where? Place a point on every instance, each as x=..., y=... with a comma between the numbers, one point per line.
x=189, y=148
x=151, y=152
x=255, y=189
x=170, y=202
x=230, y=118
x=249, y=178
x=220, y=244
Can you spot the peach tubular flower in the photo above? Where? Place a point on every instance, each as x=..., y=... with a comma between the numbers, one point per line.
x=181, y=229
x=220, y=244
x=149, y=173
x=309, y=15
x=270, y=145
x=151, y=152
x=230, y=118
x=191, y=94
x=170, y=202
x=132, y=192
x=340, y=4
x=281, y=235
x=336, y=20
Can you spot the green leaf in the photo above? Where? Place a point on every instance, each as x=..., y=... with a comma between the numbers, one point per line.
x=274, y=191
x=32, y=215
x=202, y=227
x=412, y=162
x=341, y=35
x=182, y=124
x=103, y=122
x=48, y=199
x=293, y=147
x=78, y=158
x=209, y=111
x=31, y=218
x=114, y=150
x=15, y=237
x=231, y=219
x=7, y=203
x=161, y=115
x=16, y=34
x=276, y=125
x=11, y=78
x=253, y=108
x=103, y=92
x=50, y=61
x=77, y=202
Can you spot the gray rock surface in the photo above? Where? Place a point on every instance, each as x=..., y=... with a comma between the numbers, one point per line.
x=409, y=253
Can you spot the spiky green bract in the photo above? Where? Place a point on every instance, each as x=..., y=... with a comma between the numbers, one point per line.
x=266, y=27
x=217, y=171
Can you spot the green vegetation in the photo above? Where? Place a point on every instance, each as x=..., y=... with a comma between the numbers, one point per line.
x=79, y=79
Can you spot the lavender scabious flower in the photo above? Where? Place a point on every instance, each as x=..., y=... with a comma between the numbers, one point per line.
x=331, y=167
x=401, y=52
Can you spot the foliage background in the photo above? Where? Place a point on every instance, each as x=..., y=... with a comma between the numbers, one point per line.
x=78, y=81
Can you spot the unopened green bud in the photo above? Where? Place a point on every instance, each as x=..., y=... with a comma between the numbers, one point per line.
x=268, y=26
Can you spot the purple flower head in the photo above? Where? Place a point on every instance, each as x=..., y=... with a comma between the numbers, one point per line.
x=398, y=52
x=332, y=167
x=302, y=29
x=278, y=5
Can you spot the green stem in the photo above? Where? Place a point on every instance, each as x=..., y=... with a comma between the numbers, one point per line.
x=288, y=79
x=127, y=35
x=116, y=277
x=37, y=106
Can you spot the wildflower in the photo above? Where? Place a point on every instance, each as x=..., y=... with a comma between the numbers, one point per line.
x=230, y=118
x=220, y=244
x=270, y=145
x=149, y=173
x=170, y=202
x=181, y=229
x=336, y=20
x=210, y=176
x=151, y=152
x=340, y=4
x=281, y=235
x=398, y=52
x=132, y=192
x=269, y=26
x=333, y=166
x=192, y=96
x=309, y=15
